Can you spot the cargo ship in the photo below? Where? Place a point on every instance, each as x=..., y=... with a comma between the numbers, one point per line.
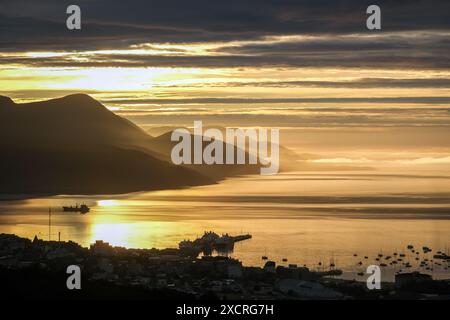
x=81, y=209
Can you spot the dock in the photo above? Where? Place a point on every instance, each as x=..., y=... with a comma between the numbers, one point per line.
x=212, y=241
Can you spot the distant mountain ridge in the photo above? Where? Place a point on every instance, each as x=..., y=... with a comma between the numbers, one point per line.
x=162, y=143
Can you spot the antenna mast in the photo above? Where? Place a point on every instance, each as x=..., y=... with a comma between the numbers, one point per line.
x=49, y=222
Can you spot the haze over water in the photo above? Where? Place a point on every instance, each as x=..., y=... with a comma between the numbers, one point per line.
x=306, y=217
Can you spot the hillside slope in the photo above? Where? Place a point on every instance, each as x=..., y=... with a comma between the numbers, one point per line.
x=74, y=145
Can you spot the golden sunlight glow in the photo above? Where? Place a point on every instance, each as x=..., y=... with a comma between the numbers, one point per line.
x=108, y=203
x=28, y=81
x=116, y=234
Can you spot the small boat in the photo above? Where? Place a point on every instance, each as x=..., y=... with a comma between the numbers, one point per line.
x=264, y=257
x=81, y=209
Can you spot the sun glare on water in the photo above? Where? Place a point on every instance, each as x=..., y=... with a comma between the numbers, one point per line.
x=108, y=203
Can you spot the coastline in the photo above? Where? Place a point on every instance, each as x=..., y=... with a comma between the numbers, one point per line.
x=110, y=272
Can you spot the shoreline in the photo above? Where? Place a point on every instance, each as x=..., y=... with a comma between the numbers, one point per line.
x=150, y=272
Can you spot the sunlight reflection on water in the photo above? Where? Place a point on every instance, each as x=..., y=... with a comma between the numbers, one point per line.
x=286, y=222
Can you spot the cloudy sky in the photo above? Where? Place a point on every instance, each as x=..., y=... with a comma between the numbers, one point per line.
x=292, y=64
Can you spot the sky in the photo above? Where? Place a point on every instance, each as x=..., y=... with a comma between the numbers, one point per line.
x=310, y=67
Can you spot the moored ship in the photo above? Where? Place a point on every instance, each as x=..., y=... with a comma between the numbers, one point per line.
x=211, y=240
x=81, y=209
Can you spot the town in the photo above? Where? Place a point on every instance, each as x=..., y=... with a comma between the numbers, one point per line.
x=37, y=269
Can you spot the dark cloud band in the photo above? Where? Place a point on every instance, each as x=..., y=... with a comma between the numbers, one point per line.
x=26, y=25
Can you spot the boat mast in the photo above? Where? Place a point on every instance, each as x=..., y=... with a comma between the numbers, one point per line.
x=49, y=222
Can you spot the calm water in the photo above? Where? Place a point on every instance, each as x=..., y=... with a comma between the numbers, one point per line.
x=305, y=217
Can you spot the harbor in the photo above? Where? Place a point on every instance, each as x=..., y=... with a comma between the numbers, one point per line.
x=316, y=243
x=149, y=273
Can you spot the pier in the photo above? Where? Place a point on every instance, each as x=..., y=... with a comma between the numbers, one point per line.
x=211, y=241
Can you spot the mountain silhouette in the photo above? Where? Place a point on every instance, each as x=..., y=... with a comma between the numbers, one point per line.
x=163, y=145
x=75, y=119
x=75, y=145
